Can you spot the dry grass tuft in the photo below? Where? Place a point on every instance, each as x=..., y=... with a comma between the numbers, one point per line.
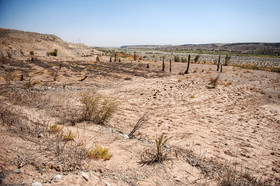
x=138, y=125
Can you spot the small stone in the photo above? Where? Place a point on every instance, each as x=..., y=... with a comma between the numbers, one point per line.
x=107, y=184
x=17, y=171
x=40, y=135
x=36, y=184
x=65, y=173
x=125, y=136
x=174, y=176
x=272, y=153
x=85, y=176
x=57, y=178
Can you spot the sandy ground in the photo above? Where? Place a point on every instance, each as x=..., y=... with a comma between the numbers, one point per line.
x=236, y=124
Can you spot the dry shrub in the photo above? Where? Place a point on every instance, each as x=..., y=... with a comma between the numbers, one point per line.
x=30, y=83
x=55, y=128
x=150, y=157
x=97, y=109
x=69, y=136
x=227, y=84
x=99, y=153
x=213, y=82
x=9, y=76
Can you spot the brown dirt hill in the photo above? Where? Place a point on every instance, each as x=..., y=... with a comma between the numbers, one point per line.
x=18, y=44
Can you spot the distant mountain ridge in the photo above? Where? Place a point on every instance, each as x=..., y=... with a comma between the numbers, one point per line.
x=254, y=47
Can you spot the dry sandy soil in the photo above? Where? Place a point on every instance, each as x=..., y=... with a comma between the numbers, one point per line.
x=224, y=135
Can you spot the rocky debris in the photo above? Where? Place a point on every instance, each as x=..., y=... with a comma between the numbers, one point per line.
x=85, y=175
x=57, y=178
x=125, y=136
x=17, y=171
x=36, y=184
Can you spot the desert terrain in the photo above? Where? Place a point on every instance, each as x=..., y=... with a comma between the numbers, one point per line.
x=217, y=128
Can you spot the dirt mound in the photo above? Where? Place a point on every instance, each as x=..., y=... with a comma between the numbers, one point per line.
x=18, y=44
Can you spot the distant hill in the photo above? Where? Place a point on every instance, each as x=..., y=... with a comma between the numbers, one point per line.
x=17, y=44
x=247, y=48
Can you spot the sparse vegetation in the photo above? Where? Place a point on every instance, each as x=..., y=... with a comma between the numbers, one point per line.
x=150, y=157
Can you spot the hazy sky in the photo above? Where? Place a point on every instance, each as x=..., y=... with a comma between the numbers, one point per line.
x=126, y=22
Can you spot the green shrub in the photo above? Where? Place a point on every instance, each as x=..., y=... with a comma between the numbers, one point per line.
x=196, y=58
x=176, y=58
x=99, y=153
x=97, y=109
x=53, y=53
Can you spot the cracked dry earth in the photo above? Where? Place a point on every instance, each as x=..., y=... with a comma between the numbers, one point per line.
x=235, y=124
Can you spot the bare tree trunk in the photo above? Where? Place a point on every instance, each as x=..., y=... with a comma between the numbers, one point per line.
x=170, y=68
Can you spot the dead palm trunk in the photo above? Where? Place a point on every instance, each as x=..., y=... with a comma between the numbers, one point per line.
x=218, y=65
x=189, y=59
x=163, y=66
x=170, y=66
